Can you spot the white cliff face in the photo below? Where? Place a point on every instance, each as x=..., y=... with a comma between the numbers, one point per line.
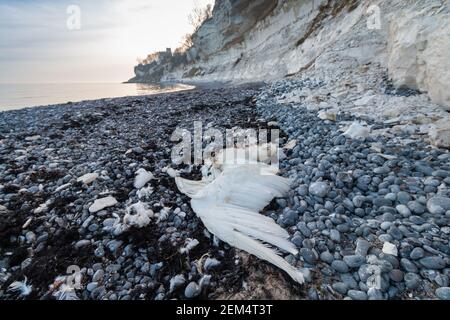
x=419, y=51
x=279, y=43
x=359, y=40
x=293, y=36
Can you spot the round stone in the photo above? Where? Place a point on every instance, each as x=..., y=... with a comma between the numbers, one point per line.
x=308, y=255
x=357, y=295
x=340, y=266
x=385, y=225
x=340, y=287
x=98, y=275
x=297, y=240
x=443, y=293
x=416, y=207
x=417, y=253
x=433, y=263
x=408, y=266
x=403, y=210
x=438, y=205
x=442, y=280
x=403, y=197
x=319, y=189
x=358, y=201
x=92, y=286
x=354, y=261
x=396, y=275
x=327, y=257
x=391, y=196
x=362, y=247
x=395, y=233
x=412, y=281
x=304, y=229
x=335, y=235
x=388, y=217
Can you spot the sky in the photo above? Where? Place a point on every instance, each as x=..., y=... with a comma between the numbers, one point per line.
x=59, y=41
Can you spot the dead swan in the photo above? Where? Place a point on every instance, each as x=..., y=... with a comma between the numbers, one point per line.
x=229, y=207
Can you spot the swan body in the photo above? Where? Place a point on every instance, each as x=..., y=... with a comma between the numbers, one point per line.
x=229, y=204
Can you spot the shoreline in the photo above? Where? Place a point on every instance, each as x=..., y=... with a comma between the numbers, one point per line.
x=190, y=86
x=180, y=87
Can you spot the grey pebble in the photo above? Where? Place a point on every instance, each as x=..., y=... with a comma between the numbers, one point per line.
x=192, y=290
x=354, y=261
x=340, y=266
x=357, y=295
x=443, y=293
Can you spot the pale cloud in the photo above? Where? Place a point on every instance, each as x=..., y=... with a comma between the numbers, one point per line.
x=36, y=46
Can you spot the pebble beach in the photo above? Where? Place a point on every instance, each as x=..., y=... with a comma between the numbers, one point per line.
x=360, y=210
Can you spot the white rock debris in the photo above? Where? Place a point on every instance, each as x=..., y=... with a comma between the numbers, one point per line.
x=328, y=115
x=32, y=138
x=390, y=248
x=42, y=208
x=440, y=133
x=417, y=43
x=63, y=187
x=102, y=203
x=290, y=145
x=88, y=178
x=357, y=131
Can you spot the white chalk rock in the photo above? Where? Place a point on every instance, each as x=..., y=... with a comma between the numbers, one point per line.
x=439, y=133
x=88, y=178
x=364, y=101
x=389, y=248
x=357, y=131
x=63, y=187
x=290, y=145
x=32, y=138
x=103, y=203
x=328, y=115
x=419, y=47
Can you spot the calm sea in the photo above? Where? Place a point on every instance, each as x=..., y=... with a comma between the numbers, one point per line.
x=17, y=96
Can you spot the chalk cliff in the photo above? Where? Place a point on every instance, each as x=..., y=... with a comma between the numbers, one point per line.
x=263, y=40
